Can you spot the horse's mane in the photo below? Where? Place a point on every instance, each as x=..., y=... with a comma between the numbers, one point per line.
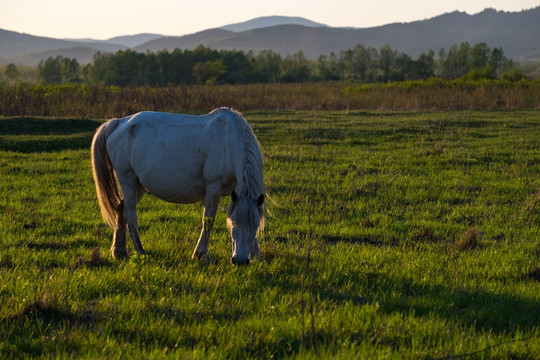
x=251, y=183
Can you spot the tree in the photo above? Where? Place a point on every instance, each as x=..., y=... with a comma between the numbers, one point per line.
x=403, y=68
x=98, y=72
x=456, y=61
x=324, y=69
x=347, y=57
x=479, y=66
x=69, y=69
x=480, y=55
x=209, y=66
x=425, y=65
x=269, y=65
x=50, y=71
x=363, y=61
x=485, y=72
x=512, y=73
x=58, y=70
x=337, y=65
x=295, y=68
x=386, y=60
x=127, y=68
x=497, y=59
x=180, y=66
x=239, y=68
x=207, y=73
x=11, y=72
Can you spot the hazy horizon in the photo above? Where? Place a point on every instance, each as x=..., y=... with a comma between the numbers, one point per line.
x=103, y=20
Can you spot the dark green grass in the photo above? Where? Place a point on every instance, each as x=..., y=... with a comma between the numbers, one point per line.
x=390, y=235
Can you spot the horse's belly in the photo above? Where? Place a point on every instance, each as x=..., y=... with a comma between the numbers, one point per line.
x=180, y=195
x=180, y=188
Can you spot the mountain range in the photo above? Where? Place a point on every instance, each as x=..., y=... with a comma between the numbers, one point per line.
x=516, y=32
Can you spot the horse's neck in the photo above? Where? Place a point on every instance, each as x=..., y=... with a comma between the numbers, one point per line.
x=248, y=162
x=249, y=183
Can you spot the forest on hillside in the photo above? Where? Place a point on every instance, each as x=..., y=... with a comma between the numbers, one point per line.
x=206, y=66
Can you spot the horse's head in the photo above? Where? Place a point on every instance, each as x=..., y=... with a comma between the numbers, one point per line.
x=244, y=219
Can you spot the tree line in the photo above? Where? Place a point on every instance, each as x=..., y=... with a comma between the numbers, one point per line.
x=209, y=66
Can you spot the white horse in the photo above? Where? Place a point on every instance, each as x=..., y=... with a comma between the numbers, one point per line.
x=181, y=159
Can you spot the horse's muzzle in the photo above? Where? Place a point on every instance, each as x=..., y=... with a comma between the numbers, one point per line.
x=237, y=262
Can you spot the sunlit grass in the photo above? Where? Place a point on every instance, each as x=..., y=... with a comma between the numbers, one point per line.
x=390, y=235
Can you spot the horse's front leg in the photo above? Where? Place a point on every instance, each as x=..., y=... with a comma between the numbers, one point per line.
x=211, y=203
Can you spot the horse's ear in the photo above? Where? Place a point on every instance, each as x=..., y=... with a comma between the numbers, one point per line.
x=234, y=197
x=260, y=200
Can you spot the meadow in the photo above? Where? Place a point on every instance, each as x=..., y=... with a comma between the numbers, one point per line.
x=102, y=102
x=390, y=235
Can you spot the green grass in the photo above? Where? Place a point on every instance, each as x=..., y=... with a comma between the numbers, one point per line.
x=390, y=235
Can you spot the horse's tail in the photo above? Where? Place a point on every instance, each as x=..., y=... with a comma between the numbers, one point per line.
x=108, y=191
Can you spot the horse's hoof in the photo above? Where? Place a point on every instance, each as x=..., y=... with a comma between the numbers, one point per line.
x=120, y=254
x=204, y=258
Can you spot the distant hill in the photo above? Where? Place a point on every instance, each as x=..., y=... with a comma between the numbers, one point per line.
x=129, y=41
x=14, y=44
x=132, y=41
x=206, y=38
x=516, y=32
x=312, y=41
x=83, y=54
x=268, y=21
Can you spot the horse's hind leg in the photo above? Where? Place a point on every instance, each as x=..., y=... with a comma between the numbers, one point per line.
x=133, y=192
x=118, y=248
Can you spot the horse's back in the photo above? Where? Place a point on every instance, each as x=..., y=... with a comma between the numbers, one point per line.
x=148, y=129
x=149, y=126
x=174, y=156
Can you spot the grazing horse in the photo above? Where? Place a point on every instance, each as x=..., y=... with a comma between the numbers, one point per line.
x=181, y=159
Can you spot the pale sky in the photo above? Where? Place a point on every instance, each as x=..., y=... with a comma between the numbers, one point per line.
x=103, y=19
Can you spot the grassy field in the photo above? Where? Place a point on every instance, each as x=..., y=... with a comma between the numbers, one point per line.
x=390, y=235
